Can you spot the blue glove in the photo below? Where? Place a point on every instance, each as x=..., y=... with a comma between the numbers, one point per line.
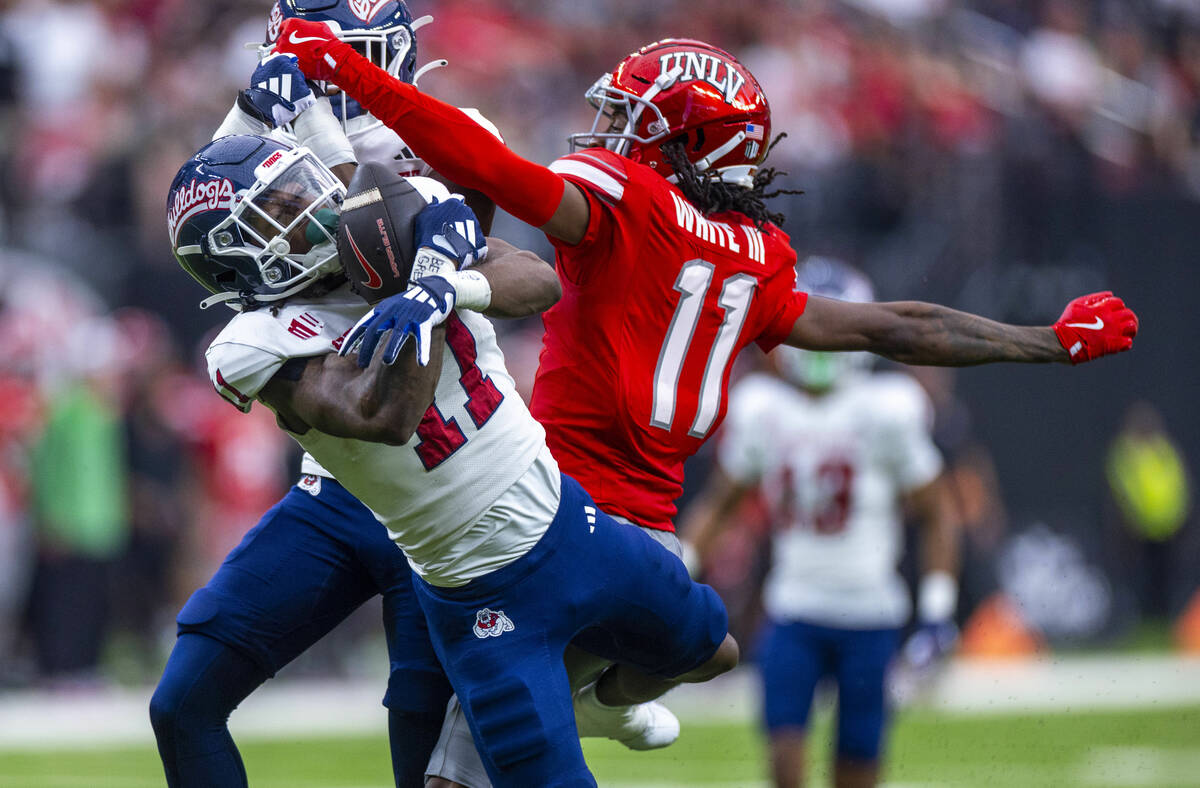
x=413, y=313
x=450, y=228
x=278, y=91
x=929, y=645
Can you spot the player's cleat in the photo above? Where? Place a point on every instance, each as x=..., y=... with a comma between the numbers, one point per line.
x=646, y=726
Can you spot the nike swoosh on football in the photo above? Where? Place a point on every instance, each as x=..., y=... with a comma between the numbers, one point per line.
x=1099, y=324
x=374, y=281
x=293, y=39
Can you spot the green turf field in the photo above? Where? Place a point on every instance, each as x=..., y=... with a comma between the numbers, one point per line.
x=1143, y=748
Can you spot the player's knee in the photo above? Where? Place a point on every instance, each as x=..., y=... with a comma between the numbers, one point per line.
x=165, y=710
x=727, y=656
x=417, y=691
x=162, y=714
x=723, y=660
x=510, y=728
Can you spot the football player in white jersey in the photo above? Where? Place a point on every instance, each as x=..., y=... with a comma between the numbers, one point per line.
x=236, y=631
x=513, y=559
x=280, y=104
x=839, y=453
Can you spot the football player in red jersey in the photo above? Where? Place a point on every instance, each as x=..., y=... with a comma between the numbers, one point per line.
x=671, y=263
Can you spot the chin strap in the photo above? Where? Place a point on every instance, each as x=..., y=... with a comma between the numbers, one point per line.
x=430, y=66
x=223, y=298
x=246, y=298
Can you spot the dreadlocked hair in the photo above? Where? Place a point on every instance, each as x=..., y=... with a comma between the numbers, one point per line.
x=711, y=195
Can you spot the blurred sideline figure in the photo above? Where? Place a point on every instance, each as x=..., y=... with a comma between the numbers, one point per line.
x=839, y=453
x=671, y=263
x=1148, y=481
x=80, y=508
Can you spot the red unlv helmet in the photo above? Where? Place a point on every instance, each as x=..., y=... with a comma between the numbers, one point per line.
x=682, y=87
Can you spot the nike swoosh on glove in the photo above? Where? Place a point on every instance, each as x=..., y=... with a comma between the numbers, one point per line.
x=317, y=49
x=1096, y=325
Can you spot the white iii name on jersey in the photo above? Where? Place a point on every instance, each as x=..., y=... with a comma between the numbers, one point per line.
x=833, y=469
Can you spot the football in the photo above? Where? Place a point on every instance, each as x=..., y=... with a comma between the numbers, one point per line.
x=375, y=234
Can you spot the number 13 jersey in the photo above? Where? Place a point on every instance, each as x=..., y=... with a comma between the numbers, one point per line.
x=657, y=302
x=833, y=470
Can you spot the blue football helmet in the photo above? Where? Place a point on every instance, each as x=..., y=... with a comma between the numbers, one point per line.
x=254, y=220
x=383, y=31
x=822, y=370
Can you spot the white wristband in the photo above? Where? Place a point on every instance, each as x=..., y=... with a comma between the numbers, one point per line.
x=319, y=130
x=937, y=597
x=473, y=290
x=238, y=122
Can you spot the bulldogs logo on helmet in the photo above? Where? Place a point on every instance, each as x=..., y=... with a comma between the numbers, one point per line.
x=682, y=87
x=254, y=220
x=819, y=370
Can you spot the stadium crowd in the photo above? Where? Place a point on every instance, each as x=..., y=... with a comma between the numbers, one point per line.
x=960, y=152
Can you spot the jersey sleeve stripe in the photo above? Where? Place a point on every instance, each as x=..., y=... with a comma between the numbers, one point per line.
x=591, y=158
x=592, y=176
x=242, y=398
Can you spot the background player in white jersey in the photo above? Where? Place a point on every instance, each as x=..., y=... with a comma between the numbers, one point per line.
x=839, y=453
x=513, y=559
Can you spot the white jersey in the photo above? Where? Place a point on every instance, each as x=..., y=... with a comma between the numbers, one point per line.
x=833, y=469
x=473, y=490
x=373, y=141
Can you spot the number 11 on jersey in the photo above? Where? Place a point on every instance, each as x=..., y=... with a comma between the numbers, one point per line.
x=695, y=278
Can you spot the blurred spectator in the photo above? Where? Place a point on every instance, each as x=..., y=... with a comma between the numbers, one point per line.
x=1148, y=480
x=80, y=514
x=158, y=470
x=8, y=105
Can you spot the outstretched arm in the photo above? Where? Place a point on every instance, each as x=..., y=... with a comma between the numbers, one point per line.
x=914, y=332
x=445, y=137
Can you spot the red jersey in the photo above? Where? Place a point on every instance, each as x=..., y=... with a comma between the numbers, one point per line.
x=657, y=302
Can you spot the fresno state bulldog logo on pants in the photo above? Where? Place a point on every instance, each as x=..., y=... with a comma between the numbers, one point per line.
x=491, y=624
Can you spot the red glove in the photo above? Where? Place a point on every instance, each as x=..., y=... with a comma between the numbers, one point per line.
x=1095, y=325
x=317, y=49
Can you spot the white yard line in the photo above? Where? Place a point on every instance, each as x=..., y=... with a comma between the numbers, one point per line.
x=38, y=720
x=1132, y=766
x=1066, y=684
